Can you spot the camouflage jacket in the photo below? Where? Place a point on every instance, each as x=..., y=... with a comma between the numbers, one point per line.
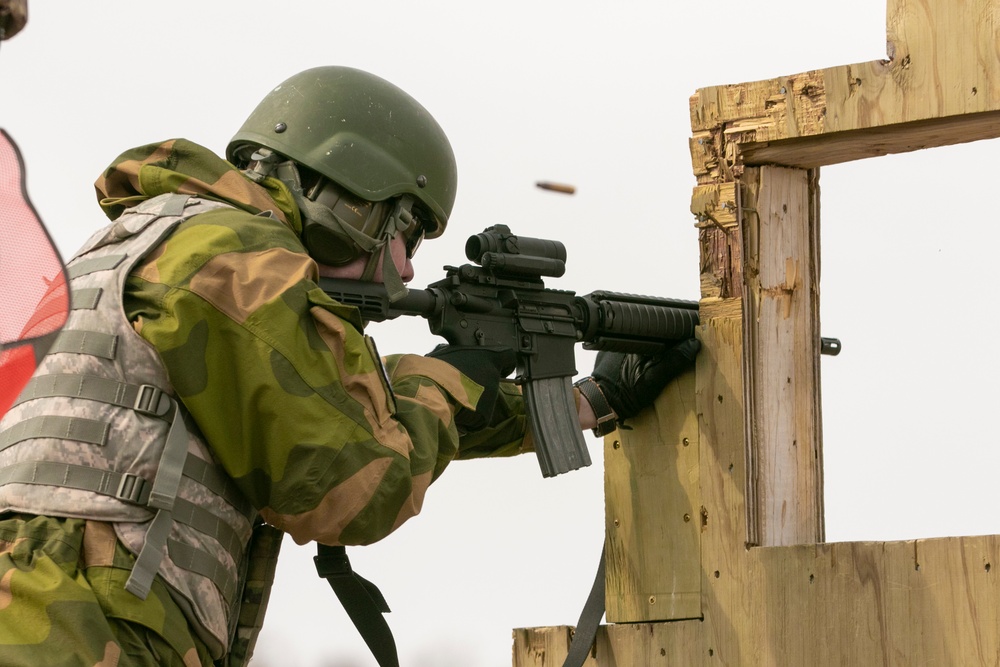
x=97, y=434
x=326, y=442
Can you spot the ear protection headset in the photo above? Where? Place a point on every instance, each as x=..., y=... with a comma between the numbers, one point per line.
x=338, y=227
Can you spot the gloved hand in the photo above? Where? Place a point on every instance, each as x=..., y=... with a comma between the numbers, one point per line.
x=631, y=382
x=486, y=366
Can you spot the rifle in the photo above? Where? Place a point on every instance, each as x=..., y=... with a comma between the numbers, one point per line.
x=504, y=302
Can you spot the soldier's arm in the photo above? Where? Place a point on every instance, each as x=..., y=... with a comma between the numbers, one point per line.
x=284, y=386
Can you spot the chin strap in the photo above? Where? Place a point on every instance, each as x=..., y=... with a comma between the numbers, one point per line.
x=400, y=219
x=394, y=286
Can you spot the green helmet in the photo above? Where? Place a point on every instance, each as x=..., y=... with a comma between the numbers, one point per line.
x=362, y=133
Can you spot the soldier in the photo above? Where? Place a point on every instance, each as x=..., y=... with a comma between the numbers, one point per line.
x=206, y=391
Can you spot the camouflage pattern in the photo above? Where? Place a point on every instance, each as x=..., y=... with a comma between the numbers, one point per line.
x=210, y=592
x=262, y=561
x=280, y=378
x=61, y=585
x=277, y=378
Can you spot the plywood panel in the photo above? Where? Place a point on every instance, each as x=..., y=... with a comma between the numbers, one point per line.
x=937, y=86
x=544, y=647
x=754, y=150
x=719, y=400
x=653, y=512
x=897, y=604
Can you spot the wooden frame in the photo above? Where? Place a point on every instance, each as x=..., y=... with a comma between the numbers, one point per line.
x=714, y=503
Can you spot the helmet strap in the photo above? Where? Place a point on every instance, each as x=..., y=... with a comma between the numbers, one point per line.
x=261, y=164
x=394, y=287
x=399, y=220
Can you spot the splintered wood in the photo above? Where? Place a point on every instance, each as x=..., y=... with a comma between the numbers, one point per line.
x=765, y=588
x=938, y=86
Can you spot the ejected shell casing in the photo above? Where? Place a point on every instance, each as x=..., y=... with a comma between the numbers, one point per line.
x=556, y=187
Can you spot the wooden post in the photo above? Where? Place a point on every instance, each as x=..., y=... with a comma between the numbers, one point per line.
x=771, y=592
x=780, y=215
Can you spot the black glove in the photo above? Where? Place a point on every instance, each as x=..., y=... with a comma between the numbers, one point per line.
x=486, y=366
x=631, y=382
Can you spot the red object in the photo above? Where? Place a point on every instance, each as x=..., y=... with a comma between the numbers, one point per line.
x=16, y=367
x=34, y=301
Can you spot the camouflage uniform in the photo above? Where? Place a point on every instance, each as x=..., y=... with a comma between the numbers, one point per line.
x=62, y=584
x=321, y=438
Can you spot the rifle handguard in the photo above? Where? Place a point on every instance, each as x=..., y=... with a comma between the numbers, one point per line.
x=606, y=418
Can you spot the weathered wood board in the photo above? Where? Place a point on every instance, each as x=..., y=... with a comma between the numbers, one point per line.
x=928, y=602
x=770, y=591
x=653, y=505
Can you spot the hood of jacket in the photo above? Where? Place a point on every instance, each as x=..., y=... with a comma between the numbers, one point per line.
x=184, y=167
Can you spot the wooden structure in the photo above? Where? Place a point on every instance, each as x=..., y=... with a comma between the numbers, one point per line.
x=715, y=537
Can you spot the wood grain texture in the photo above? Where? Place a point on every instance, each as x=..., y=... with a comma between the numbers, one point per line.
x=890, y=604
x=653, y=512
x=544, y=647
x=937, y=85
x=784, y=441
x=755, y=150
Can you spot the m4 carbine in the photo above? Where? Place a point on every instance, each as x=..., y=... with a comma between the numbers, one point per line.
x=503, y=302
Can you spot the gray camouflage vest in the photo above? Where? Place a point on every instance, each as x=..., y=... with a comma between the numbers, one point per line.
x=98, y=434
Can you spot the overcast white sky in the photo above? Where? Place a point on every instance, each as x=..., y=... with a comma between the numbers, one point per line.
x=594, y=94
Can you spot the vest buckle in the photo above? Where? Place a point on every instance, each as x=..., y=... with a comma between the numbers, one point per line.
x=150, y=401
x=131, y=488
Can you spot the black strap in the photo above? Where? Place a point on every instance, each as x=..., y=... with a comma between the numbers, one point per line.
x=361, y=599
x=607, y=420
x=590, y=620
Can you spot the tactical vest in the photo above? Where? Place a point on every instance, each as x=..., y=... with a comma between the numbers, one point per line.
x=98, y=434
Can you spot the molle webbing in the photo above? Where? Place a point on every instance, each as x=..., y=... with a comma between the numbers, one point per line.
x=124, y=486
x=86, y=342
x=85, y=298
x=96, y=275
x=56, y=426
x=86, y=266
x=161, y=495
x=144, y=399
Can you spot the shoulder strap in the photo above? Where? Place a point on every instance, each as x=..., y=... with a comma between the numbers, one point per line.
x=361, y=599
x=365, y=605
x=590, y=620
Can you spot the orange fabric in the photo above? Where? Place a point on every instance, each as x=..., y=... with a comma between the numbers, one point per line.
x=16, y=367
x=33, y=297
